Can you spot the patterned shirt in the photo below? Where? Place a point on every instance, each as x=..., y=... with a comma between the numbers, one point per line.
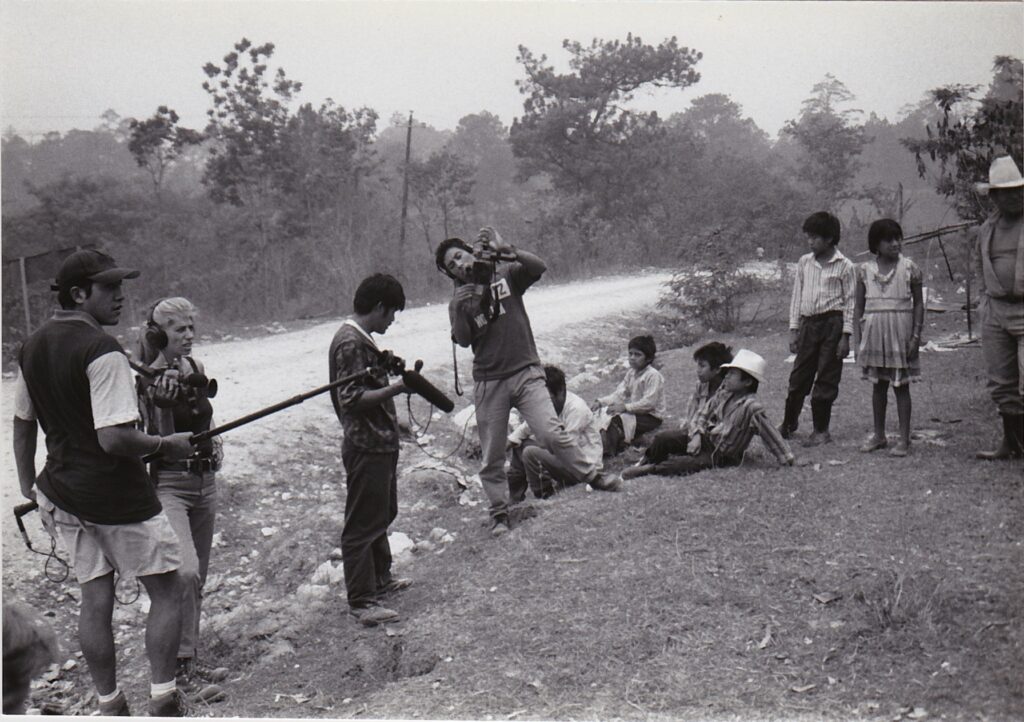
x=727, y=424
x=641, y=392
x=373, y=430
x=820, y=288
x=704, y=391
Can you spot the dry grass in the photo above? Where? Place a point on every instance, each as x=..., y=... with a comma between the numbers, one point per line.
x=867, y=588
x=870, y=587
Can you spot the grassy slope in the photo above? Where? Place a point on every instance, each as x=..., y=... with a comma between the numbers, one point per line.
x=675, y=599
x=694, y=598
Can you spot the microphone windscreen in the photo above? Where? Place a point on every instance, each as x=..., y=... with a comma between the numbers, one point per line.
x=196, y=380
x=416, y=383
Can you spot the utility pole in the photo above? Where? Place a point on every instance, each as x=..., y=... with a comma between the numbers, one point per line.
x=405, y=185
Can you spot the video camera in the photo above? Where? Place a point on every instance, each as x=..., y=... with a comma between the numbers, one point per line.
x=195, y=380
x=415, y=382
x=486, y=258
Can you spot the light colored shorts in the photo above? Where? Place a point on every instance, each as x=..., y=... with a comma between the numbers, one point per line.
x=134, y=550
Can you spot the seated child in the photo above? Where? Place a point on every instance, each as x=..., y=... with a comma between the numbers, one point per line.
x=530, y=464
x=724, y=426
x=710, y=373
x=638, y=404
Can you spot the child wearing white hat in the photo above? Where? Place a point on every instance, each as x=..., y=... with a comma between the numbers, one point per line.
x=725, y=425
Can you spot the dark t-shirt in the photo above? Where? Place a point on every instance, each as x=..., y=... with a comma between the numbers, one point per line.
x=505, y=345
x=79, y=476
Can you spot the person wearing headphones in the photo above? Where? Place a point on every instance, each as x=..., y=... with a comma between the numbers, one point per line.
x=174, y=396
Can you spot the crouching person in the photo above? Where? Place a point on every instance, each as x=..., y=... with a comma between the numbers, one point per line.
x=723, y=428
x=533, y=466
x=366, y=408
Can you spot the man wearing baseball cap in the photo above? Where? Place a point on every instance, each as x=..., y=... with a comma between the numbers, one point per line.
x=999, y=263
x=94, y=494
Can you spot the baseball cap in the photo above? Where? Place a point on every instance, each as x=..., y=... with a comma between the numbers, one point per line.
x=90, y=265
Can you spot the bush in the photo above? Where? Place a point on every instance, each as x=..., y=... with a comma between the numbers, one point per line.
x=720, y=298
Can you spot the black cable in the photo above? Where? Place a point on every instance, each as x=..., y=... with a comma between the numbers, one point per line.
x=138, y=591
x=425, y=450
x=51, y=556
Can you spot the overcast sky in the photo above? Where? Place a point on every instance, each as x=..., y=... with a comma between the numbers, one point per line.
x=64, y=63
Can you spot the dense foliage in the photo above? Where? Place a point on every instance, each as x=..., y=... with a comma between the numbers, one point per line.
x=277, y=208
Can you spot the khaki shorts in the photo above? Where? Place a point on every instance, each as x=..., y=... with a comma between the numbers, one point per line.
x=134, y=550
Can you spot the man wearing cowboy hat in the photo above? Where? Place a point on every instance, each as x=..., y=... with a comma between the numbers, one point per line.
x=999, y=262
x=94, y=493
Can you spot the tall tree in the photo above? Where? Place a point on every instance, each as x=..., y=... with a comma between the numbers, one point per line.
x=247, y=120
x=971, y=133
x=440, y=185
x=577, y=127
x=158, y=142
x=482, y=140
x=328, y=154
x=830, y=140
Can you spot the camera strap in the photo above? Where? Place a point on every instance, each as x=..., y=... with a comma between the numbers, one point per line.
x=455, y=372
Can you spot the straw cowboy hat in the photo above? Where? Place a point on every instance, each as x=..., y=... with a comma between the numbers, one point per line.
x=750, y=362
x=1003, y=173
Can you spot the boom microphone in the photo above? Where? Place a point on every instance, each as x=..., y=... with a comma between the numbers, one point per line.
x=418, y=384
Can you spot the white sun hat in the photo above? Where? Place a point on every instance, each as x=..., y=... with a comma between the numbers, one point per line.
x=750, y=362
x=1003, y=173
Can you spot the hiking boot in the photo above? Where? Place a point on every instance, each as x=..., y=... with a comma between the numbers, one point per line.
x=393, y=584
x=604, y=482
x=373, y=614
x=499, y=525
x=633, y=472
x=874, y=443
x=1011, y=446
x=117, y=707
x=818, y=438
x=172, y=704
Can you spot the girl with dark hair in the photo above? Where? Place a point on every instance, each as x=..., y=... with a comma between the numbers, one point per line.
x=888, y=317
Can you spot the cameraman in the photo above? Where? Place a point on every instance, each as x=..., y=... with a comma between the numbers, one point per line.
x=487, y=313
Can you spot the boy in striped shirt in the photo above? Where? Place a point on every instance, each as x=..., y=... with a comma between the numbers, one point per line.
x=724, y=427
x=820, y=324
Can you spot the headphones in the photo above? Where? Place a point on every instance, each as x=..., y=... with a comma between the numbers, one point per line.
x=155, y=336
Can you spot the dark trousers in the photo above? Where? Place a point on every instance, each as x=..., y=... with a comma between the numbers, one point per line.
x=667, y=454
x=816, y=370
x=665, y=444
x=516, y=473
x=371, y=504
x=613, y=438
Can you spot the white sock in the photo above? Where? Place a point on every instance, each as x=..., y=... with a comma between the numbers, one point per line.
x=162, y=688
x=108, y=697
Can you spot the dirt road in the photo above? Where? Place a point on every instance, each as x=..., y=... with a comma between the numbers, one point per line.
x=257, y=372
